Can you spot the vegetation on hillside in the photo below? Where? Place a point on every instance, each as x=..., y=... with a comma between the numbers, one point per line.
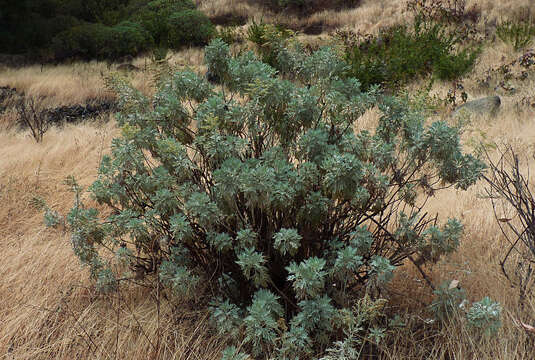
x=95, y=29
x=289, y=197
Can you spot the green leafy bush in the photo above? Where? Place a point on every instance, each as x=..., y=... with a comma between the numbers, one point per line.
x=98, y=41
x=127, y=38
x=189, y=27
x=84, y=41
x=398, y=55
x=264, y=190
x=450, y=302
x=519, y=34
x=154, y=15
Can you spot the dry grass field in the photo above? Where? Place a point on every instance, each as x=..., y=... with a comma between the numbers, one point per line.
x=50, y=310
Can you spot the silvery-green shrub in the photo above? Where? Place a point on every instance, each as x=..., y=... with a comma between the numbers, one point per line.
x=272, y=192
x=484, y=316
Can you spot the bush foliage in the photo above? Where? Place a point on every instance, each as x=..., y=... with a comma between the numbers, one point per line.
x=398, y=55
x=189, y=27
x=97, y=41
x=519, y=34
x=268, y=191
x=101, y=29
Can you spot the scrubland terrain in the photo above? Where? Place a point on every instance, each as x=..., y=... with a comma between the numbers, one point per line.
x=49, y=308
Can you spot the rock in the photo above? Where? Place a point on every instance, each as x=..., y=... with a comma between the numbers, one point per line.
x=484, y=106
x=127, y=67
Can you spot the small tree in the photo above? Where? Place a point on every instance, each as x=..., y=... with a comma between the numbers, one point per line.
x=513, y=203
x=33, y=115
x=269, y=190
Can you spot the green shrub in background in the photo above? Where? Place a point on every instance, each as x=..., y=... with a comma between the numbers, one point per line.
x=85, y=41
x=154, y=17
x=518, y=34
x=189, y=27
x=101, y=29
x=398, y=55
x=264, y=190
x=127, y=38
x=97, y=41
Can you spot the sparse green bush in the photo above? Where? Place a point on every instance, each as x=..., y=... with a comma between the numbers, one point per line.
x=270, y=40
x=447, y=302
x=398, y=55
x=519, y=34
x=264, y=191
x=229, y=34
x=189, y=27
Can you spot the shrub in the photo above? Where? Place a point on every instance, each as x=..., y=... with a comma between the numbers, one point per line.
x=189, y=27
x=270, y=40
x=264, y=191
x=33, y=115
x=513, y=202
x=84, y=41
x=447, y=302
x=398, y=55
x=229, y=34
x=127, y=38
x=518, y=34
x=484, y=316
x=98, y=41
x=153, y=17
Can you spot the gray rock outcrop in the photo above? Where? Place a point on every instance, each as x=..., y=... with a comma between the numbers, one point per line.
x=484, y=106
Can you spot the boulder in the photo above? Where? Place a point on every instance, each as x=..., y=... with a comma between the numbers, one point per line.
x=484, y=106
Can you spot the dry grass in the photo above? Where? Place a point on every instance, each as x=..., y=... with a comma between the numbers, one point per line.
x=49, y=309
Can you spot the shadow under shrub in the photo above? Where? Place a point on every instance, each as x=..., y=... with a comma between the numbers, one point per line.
x=306, y=7
x=264, y=191
x=398, y=55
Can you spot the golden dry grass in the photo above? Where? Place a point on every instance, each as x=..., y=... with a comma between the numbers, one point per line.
x=49, y=309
